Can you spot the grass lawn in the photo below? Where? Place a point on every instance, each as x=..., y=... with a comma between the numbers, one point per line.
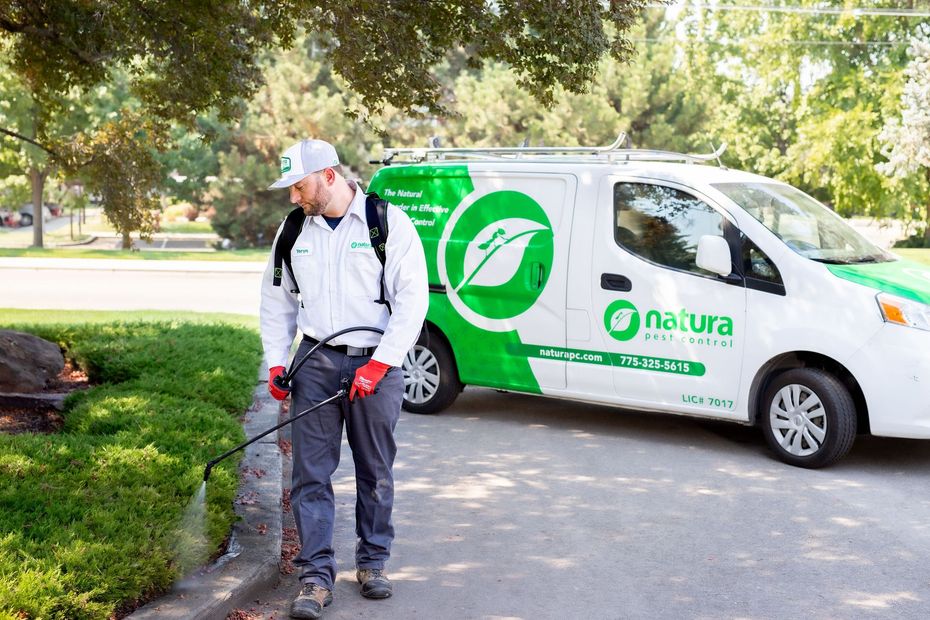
x=89, y=515
x=19, y=316
x=185, y=226
x=920, y=255
x=259, y=255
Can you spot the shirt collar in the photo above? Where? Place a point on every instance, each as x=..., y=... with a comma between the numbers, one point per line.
x=357, y=208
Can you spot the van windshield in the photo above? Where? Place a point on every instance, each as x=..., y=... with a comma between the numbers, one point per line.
x=806, y=226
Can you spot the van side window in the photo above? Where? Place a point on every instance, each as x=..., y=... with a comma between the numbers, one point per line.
x=757, y=265
x=663, y=224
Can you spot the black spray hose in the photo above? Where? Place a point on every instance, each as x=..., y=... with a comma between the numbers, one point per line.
x=285, y=380
x=340, y=394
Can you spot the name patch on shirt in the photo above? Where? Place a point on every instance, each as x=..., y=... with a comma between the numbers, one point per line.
x=301, y=251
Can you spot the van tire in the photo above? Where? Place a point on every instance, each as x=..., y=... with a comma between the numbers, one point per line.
x=810, y=441
x=25, y=219
x=431, y=379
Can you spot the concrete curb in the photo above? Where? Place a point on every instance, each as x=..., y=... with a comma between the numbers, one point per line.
x=251, y=562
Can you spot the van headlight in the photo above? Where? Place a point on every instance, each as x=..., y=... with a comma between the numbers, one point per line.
x=904, y=311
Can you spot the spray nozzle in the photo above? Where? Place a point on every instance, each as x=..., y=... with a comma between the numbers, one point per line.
x=206, y=472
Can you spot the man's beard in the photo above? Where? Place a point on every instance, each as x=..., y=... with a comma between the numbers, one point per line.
x=317, y=203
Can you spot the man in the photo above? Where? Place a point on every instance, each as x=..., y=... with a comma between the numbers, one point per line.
x=338, y=276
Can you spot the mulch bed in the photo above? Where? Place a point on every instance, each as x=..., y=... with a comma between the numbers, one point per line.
x=43, y=419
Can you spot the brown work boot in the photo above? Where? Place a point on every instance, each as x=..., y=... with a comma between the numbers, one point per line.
x=311, y=601
x=374, y=583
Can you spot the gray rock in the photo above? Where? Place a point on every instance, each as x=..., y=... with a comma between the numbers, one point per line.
x=27, y=362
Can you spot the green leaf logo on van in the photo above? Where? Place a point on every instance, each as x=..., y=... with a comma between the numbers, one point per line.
x=622, y=320
x=499, y=254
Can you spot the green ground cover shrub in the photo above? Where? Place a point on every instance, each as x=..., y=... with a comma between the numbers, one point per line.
x=88, y=516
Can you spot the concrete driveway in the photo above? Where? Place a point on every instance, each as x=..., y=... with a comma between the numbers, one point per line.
x=512, y=506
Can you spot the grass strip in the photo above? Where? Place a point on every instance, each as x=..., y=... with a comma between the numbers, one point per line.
x=920, y=255
x=10, y=316
x=185, y=226
x=88, y=516
x=253, y=255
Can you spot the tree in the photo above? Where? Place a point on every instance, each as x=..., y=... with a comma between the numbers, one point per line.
x=303, y=96
x=185, y=58
x=906, y=139
x=803, y=96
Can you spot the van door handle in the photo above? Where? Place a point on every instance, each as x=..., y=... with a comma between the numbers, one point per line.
x=537, y=275
x=615, y=282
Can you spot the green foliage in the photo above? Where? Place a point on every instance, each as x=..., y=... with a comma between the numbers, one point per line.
x=89, y=515
x=387, y=51
x=10, y=316
x=302, y=98
x=14, y=192
x=806, y=112
x=166, y=48
x=119, y=162
x=177, y=60
x=246, y=211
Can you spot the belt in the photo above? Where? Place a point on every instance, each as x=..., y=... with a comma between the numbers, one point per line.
x=343, y=348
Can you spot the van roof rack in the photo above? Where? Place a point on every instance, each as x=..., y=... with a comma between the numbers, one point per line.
x=611, y=153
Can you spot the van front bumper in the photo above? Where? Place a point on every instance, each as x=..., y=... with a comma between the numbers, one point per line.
x=893, y=370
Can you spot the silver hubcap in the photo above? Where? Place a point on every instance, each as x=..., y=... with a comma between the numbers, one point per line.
x=421, y=375
x=798, y=419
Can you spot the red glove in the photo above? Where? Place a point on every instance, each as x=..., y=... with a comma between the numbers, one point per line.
x=367, y=378
x=277, y=392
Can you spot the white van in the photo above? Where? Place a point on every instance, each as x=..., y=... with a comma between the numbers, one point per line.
x=655, y=281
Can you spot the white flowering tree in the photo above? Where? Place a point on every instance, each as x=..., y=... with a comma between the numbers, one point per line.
x=906, y=139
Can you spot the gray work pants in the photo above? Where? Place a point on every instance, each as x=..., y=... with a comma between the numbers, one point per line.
x=317, y=439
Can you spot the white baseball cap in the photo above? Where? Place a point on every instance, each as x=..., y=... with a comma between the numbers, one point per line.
x=304, y=158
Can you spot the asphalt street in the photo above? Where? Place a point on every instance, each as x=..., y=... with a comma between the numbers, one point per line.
x=105, y=284
x=511, y=506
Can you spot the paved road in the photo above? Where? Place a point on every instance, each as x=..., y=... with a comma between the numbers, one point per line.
x=512, y=506
x=103, y=284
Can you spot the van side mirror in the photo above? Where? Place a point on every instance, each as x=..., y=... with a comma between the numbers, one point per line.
x=713, y=254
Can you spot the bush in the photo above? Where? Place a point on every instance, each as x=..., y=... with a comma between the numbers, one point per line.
x=88, y=517
x=247, y=212
x=917, y=240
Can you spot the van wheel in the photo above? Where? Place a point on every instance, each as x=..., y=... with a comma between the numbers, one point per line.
x=431, y=381
x=25, y=219
x=809, y=417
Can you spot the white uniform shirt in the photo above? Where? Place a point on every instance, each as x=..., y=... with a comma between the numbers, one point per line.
x=339, y=277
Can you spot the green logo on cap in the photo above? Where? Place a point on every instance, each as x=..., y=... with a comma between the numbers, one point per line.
x=285, y=164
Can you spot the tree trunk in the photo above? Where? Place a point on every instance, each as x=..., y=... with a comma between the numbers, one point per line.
x=37, y=177
x=127, y=241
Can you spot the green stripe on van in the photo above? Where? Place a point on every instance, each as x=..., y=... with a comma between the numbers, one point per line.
x=903, y=278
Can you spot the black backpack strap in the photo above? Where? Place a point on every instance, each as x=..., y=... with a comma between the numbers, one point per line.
x=293, y=224
x=376, y=216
